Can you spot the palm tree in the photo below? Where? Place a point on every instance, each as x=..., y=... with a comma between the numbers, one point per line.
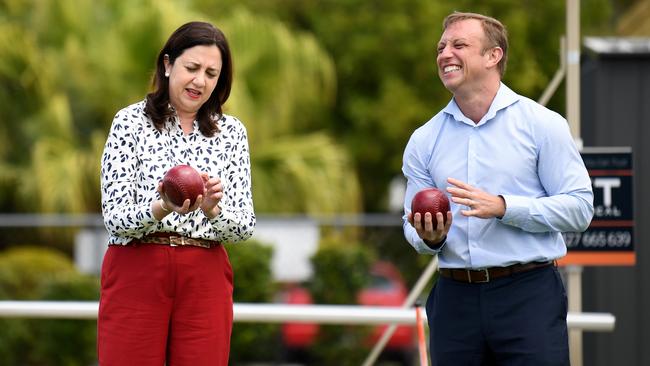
x=284, y=85
x=73, y=64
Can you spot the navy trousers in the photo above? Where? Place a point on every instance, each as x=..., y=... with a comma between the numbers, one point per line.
x=509, y=321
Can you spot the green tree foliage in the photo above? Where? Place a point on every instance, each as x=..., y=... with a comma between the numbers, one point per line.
x=251, y=263
x=68, y=66
x=79, y=347
x=22, y=271
x=55, y=98
x=283, y=90
x=340, y=345
x=634, y=22
x=385, y=52
x=31, y=273
x=352, y=262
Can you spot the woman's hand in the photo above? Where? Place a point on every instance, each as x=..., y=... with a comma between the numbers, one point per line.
x=213, y=194
x=167, y=206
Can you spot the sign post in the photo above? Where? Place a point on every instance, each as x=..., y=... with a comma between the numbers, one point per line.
x=609, y=240
x=572, y=82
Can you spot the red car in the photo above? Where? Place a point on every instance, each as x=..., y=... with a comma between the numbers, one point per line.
x=386, y=288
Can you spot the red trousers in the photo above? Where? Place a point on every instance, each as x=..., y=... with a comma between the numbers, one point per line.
x=163, y=305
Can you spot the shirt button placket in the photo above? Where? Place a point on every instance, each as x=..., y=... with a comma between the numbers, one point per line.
x=471, y=180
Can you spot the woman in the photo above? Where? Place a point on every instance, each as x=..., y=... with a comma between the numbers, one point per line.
x=166, y=293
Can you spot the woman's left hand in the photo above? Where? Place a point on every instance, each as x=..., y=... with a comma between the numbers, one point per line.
x=212, y=196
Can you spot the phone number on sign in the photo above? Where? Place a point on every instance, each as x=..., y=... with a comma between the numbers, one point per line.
x=598, y=239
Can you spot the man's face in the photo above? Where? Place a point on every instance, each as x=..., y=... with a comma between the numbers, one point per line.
x=460, y=62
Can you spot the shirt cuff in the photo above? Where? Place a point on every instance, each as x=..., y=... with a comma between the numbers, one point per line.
x=145, y=216
x=423, y=248
x=517, y=210
x=436, y=246
x=222, y=219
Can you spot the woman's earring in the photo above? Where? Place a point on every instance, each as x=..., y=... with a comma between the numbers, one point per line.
x=166, y=73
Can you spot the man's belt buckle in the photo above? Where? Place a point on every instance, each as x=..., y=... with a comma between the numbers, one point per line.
x=176, y=241
x=487, y=275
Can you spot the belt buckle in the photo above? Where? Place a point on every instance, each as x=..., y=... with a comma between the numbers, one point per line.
x=487, y=275
x=175, y=241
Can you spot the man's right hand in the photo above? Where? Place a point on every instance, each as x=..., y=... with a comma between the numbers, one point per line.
x=430, y=233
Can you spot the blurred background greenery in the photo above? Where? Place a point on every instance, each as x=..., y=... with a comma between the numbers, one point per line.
x=329, y=91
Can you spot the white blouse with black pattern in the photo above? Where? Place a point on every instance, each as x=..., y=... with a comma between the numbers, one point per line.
x=137, y=156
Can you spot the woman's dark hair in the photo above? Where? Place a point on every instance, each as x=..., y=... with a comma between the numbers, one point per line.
x=187, y=36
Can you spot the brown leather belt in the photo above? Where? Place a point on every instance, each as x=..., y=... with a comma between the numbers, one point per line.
x=174, y=240
x=487, y=274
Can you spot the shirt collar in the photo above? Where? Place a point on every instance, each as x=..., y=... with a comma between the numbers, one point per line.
x=176, y=121
x=505, y=97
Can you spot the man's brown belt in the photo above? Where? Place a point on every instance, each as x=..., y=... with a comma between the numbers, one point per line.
x=488, y=274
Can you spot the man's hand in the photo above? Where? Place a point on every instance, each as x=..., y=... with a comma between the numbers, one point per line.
x=431, y=233
x=481, y=204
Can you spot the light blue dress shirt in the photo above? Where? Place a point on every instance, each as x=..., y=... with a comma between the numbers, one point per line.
x=520, y=150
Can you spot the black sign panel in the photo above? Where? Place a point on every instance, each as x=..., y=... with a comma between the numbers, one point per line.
x=612, y=228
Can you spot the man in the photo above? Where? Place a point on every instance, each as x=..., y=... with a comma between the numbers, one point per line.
x=516, y=181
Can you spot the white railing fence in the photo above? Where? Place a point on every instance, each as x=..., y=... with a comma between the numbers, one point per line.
x=281, y=313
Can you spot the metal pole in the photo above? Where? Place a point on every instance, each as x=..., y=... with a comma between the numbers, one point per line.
x=410, y=300
x=573, y=116
x=422, y=344
x=280, y=313
x=573, y=68
x=574, y=282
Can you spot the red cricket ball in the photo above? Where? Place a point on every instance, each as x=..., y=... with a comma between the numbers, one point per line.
x=182, y=182
x=430, y=200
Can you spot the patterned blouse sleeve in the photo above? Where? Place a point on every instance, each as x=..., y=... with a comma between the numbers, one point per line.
x=124, y=214
x=237, y=218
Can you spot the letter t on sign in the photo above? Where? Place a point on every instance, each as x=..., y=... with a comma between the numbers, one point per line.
x=607, y=184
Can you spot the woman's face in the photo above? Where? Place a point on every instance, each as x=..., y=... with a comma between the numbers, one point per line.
x=192, y=78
